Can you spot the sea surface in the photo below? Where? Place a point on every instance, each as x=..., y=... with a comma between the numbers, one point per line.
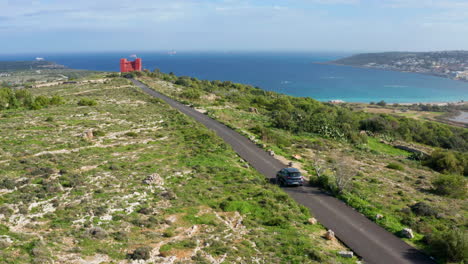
x=297, y=74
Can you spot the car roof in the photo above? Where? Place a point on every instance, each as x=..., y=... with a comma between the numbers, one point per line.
x=291, y=170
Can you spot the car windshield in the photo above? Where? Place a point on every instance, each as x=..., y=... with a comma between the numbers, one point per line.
x=295, y=174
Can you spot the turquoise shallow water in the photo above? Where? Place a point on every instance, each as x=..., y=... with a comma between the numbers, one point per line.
x=298, y=74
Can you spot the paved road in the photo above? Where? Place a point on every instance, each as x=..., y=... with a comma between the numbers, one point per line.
x=368, y=240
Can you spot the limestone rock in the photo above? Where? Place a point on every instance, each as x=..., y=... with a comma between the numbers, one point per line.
x=297, y=157
x=312, y=221
x=407, y=233
x=346, y=254
x=378, y=216
x=5, y=241
x=253, y=110
x=88, y=135
x=154, y=179
x=330, y=235
x=171, y=219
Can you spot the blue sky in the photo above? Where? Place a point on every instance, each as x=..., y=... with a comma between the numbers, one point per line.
x=227, y=25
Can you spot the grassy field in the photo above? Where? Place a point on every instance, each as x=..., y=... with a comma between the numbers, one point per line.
x=385, y=185
x=442, y=117
x=31, y=77
x=129, y=178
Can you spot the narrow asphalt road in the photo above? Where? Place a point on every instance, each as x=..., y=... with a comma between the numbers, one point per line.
x=368, y=240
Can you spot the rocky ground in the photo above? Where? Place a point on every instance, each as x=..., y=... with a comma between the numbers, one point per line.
x=383, y=183
x=131, y=181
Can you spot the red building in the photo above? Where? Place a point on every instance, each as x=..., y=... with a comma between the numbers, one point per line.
x=129, y=66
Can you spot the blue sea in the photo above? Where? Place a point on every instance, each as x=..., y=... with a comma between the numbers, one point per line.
x=298, y=74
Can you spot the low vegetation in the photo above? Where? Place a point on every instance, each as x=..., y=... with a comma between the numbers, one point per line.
x=452, y=185
x=14, y=99
x=130, y=179
x=352, y=154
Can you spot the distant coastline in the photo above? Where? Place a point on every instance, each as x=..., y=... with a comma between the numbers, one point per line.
x=446, y=64
x=445, y=103
x=392, y=70
x=292, y=74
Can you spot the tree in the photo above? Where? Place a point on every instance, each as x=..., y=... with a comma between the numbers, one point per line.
x=344, y=173
x=382, y=103
x=283, y=119
x=322, y=180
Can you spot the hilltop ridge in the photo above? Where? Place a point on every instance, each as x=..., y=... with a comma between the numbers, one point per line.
x=448, y=64
x=10, y=66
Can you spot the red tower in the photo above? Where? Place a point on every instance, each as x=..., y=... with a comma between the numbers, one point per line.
x=129, y=66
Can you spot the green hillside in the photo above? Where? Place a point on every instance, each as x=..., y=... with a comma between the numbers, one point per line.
x=103, y=173
x=7, y=66
x=352, y=155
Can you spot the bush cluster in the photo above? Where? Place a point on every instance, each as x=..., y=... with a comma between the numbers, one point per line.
x=140, y=253
x=333, y=121
x=448, y=162
x=87, y=102
x=450, y=245
x=14, y=99
x=452, y=185
x=395, y=166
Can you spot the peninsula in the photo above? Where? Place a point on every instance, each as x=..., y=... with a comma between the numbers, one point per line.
x=448, y=64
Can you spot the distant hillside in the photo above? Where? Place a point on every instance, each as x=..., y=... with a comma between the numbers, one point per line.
x=449, y=64
x=28, y=65
x=30, y=72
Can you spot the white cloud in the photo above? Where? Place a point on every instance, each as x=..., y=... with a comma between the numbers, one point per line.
x=436, y=4
x=241, y=24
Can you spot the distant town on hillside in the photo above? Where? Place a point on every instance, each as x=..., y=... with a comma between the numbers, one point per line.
x=449, y=64
x=9, y=66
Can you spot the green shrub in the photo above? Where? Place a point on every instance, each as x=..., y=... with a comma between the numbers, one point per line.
x=324, y=181
x=7, y=184
x=217, y=248
x=395, y=166
x=97, y=233
x=129, y=75
x=57, y=100
x=191, y=94
x=141, y=253
x=382, y=103
x=447, y=162
x=451, y=245
x=120, y=236
x=452, y=185
x=87, y=102
x=156, y=100
x=40, y=102
x=131, y=134
x=423, y=209
x=169, y=233
x=24, y=97
x=98, y=133
x=177, y=245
